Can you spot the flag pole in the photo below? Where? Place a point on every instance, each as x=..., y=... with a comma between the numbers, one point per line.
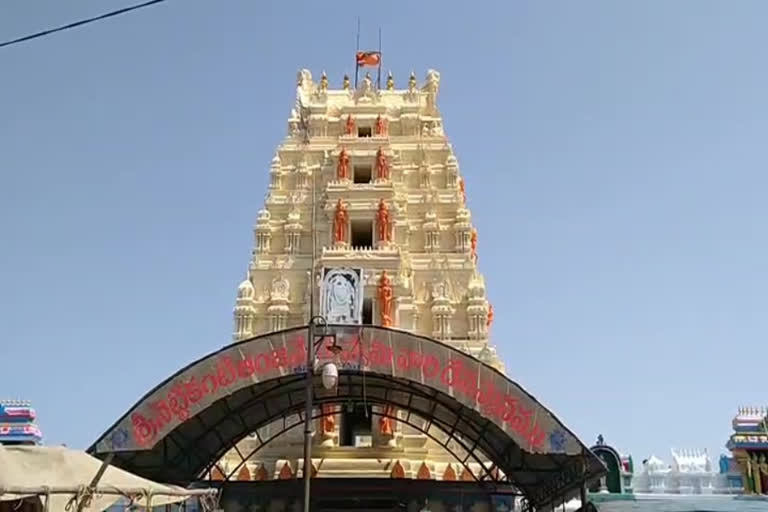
x=357, y=67
x=378, y=78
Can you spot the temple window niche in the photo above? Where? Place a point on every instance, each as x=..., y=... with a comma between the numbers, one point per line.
x=364, y=131
x=367, y=311
x=362, y=174
x=362, y=233
x=356, y=425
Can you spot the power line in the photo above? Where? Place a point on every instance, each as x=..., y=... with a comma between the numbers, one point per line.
x=81, y=22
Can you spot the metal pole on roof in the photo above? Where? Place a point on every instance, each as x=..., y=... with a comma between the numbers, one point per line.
x=89, y=491
x=310, y=346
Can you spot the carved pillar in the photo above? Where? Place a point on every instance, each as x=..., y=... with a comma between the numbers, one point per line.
x=451, y=171
x=431, y=233
x=463, y=230
x=245, y=312
x=425, y=176
x=279, y=297
x=302, y=176
x=477, y=308
x=293, y=232
x=275, y=174
x=263, y=233
x=442, y=312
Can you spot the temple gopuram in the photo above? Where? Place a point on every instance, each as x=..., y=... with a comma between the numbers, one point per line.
x=17, y=423
x=397, y=247
x=749, y=446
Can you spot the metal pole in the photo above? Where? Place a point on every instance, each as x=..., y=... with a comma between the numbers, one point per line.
x=307, y=417
x=378, y=77
x=310, y=354
x=357, y=44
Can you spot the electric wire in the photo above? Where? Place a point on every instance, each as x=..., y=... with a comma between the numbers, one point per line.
x=79, y=23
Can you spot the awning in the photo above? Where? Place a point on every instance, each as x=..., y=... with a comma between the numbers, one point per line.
x=62, y=475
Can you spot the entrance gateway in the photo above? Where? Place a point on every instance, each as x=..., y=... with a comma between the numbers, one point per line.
x=180, y=429
x=367, y=224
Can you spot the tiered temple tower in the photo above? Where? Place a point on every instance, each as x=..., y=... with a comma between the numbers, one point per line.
x=18, y=423
x=389, y=202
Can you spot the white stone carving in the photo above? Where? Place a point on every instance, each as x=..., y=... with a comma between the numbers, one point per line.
x=365, y=92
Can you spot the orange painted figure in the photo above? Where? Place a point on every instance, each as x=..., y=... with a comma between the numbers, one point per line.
x=342, y=170
x=386, y=425
x=473, y=243
x=329, y=421
x=490, y=317
x=382, y=167
x=463, y=190
x=383, y=222
x=380, y=128
x=386, y=297
x=340, y=220
x=349, y=127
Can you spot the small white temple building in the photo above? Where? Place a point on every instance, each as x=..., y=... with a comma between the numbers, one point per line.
x=689, y=473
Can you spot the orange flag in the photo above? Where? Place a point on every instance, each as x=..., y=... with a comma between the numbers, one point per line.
x=368, y=59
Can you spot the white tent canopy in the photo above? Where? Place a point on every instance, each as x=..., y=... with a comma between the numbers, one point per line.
x=63, y=475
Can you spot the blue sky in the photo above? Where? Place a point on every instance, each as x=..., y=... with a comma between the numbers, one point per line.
x=615, y=160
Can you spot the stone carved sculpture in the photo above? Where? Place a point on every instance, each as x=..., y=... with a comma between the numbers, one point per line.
x=340, y=222
x=329, y=421
x=473, y=245
x=386, y=297
x=382, y=166
x=463, y=191
x=342, y=169
x=383, y=222
x=324, y=82
x=390, y=82
x=345, y=83
x=380, y=128
x=490, y=316
x=386, y=423
x=349, y=126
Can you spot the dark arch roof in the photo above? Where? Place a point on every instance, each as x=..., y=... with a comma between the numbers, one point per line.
x=608, y=449
x=191, y=419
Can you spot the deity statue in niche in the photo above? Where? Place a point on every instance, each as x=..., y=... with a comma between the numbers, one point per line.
x=386, y=297
x=329, y=421
x=383, y=222
x=463, y=191
x=381, y=126
x=349, y=126
x=340, y=297
x=340, y=221
x=342, y=169
x=382, y=167
x=386, y=424
x=473, y=245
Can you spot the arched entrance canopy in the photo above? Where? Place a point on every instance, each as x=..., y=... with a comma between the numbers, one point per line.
x=185, y=424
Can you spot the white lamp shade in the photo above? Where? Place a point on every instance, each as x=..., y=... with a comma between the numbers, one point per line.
x=330, y=375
